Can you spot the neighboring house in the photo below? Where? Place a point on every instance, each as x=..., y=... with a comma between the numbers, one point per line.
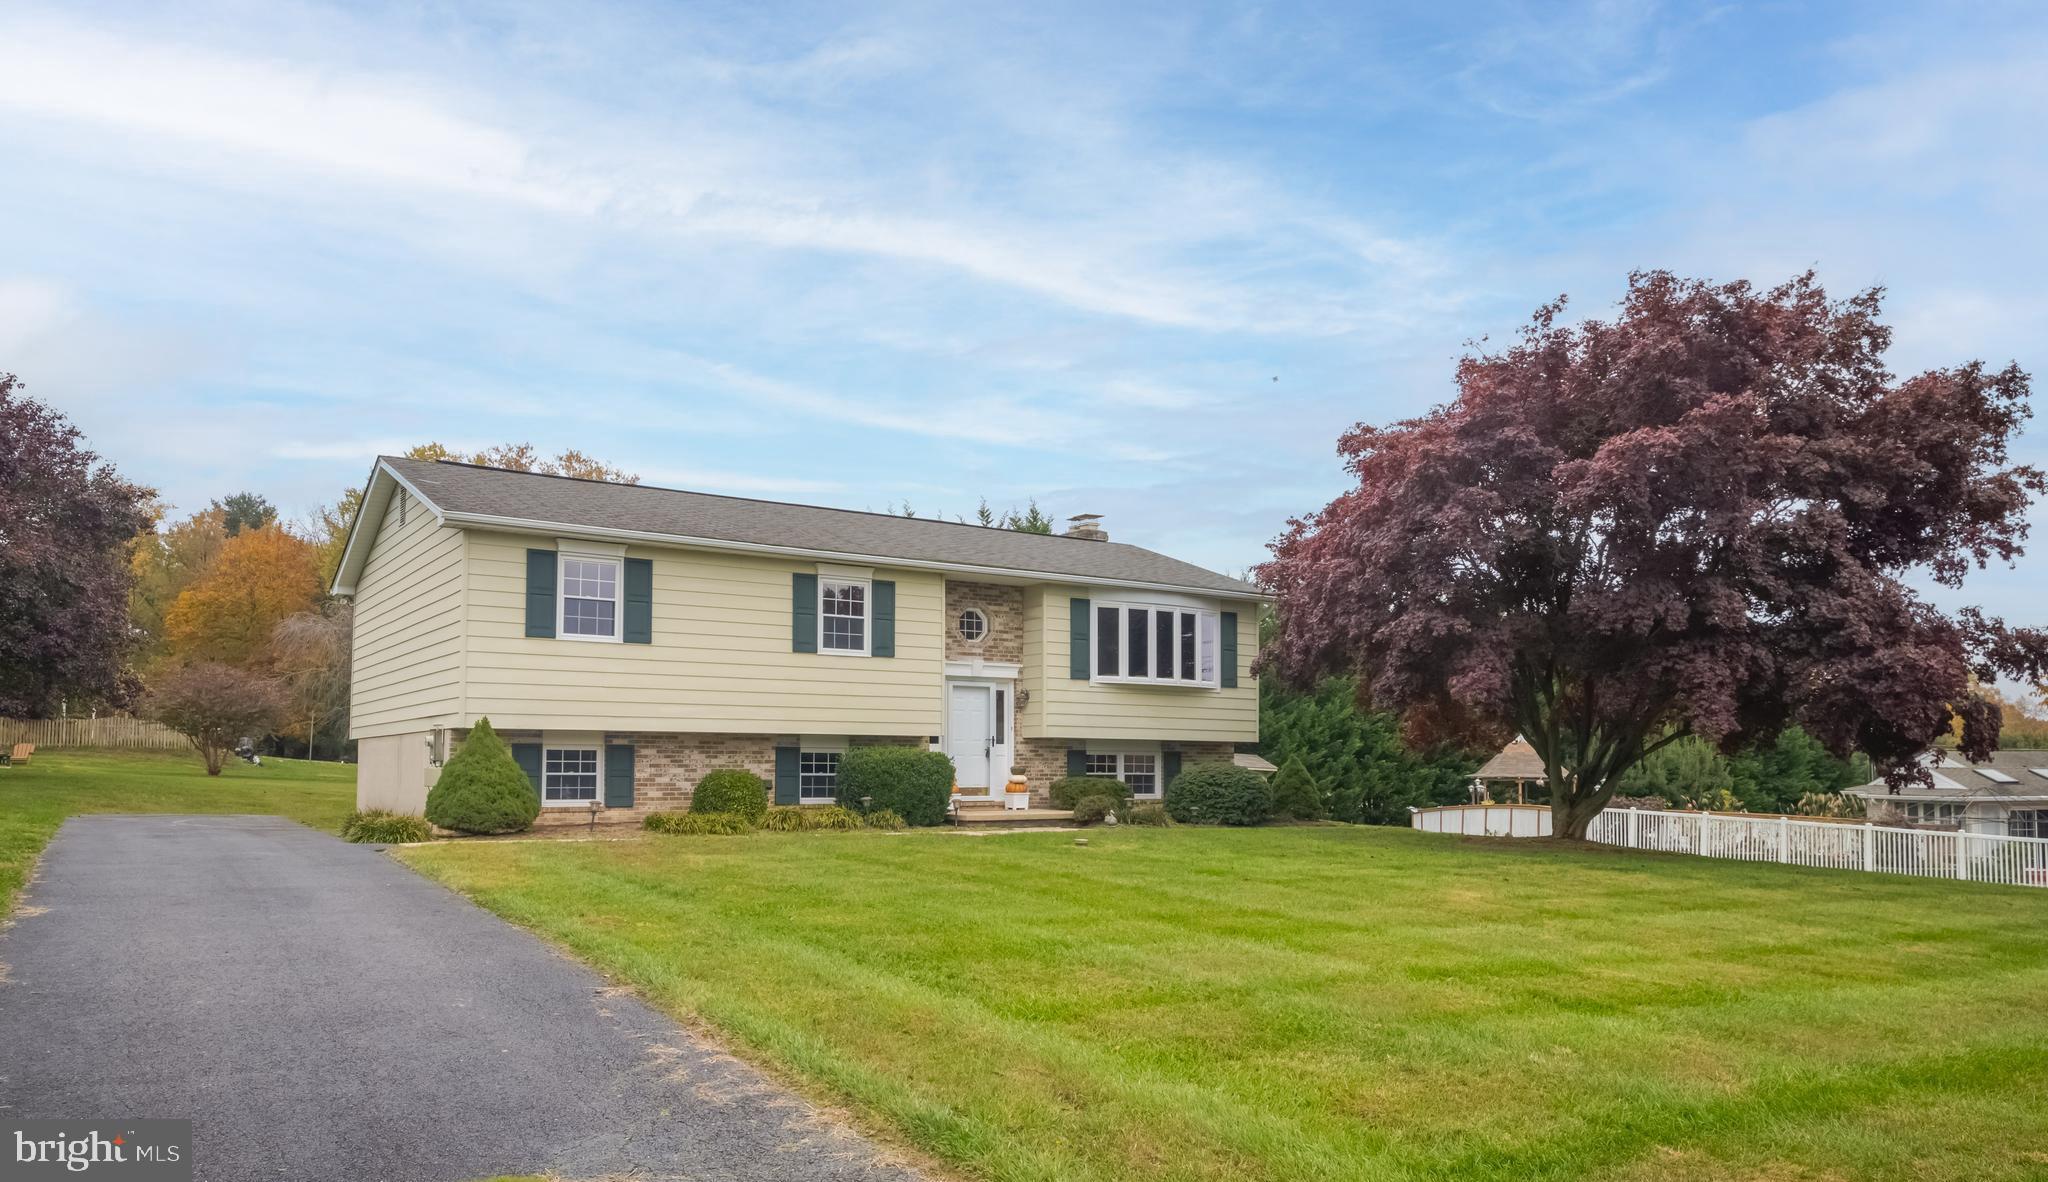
x=2007, y=795
x=625, y=640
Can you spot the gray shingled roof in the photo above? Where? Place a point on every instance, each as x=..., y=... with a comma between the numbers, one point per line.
x=1956, y=779
x=464, y=489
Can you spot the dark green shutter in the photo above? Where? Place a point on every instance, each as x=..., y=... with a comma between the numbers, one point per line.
x=540, y=592
x=803, y=613
x=1077, y=657
x=527, y=756
x=788, y=790
x=1169, y=767
x=883, y=644
x=1227, y=656
x=618, y=776
x=1077, y=762
x=639, y=601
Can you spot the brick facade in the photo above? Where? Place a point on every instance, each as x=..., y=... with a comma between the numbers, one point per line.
x=666, y=768
x=1045, y=760
x=1003, y=607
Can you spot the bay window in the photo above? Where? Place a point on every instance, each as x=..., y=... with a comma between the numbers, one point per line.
x=1155, y=644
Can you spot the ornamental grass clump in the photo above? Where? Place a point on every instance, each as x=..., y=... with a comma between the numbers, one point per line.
x=384, y=827
x=699, y=824
x=481, y=790
x=731, y=790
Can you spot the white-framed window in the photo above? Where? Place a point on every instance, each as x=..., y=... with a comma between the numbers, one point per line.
x=973, y=625
x=570, y=775
x=817, y=776
x=843, y=616
x=1157, y=644
x=589, y=598
x=1139, y=770
x=1931, y=812
x=2027, y=823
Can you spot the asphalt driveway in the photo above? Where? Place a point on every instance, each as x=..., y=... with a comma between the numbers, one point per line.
x=320, y=1012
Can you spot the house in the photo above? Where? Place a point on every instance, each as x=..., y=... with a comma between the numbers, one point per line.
x=626, y=639
x=2006, y=795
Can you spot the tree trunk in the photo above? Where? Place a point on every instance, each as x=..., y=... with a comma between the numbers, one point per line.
x=1571, y=814
x=213, y=760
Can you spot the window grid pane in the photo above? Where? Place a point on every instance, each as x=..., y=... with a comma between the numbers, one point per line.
x=1101, y=765
x=818, y=774
x=1208, y=669
x=1187, y=646
x=569, y=773
x=1141, y=773
x=590, y=594
x=1141, y=632
x=1106, y=647
x=845, y=610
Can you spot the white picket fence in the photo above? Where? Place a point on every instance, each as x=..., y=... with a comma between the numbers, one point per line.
x=1929, y=853
x=1836, y=845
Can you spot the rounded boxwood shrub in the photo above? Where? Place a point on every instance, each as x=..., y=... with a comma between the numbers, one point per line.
x=385, y=827
x=1146, y=812
x=481, y=790
x=911, y=782
x=1067, y=792
x=1295, y=793
x=699, y=824
x=1090, y=809
x=1219, y=794
x=731, y=790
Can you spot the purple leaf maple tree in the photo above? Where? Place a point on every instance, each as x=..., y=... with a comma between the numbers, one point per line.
x=1703, y=517
x=65, y=523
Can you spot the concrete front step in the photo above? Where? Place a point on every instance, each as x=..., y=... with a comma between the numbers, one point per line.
x=969, y=816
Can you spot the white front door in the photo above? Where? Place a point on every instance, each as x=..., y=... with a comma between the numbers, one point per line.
x=970, y=734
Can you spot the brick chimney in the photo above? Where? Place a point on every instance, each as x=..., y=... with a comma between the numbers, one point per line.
x=1087, y=526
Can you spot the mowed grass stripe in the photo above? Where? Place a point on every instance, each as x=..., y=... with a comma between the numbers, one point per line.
x=1325, y=1003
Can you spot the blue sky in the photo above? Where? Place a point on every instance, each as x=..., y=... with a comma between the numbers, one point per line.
x=1140, y=260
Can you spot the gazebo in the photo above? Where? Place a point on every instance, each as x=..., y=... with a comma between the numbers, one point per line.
x=1517, y=764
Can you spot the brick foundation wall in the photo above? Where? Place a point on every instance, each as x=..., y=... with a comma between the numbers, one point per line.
x=1004, y=609
x=666, y=768
x=1045, y=760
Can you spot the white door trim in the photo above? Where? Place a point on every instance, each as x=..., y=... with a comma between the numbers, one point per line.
x=1001, y=755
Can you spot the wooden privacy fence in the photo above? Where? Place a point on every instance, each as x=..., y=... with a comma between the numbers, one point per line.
x=1930, y=853
x=115, y=731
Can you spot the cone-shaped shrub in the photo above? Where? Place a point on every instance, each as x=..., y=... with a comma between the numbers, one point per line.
x=481, y=790
x=1296, y=795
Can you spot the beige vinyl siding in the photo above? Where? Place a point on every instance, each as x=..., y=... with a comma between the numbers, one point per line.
x=1031, y=681
x=408, y=627
x=1063, y=708
x=720, y=660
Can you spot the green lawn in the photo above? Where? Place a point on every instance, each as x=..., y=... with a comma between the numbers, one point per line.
x=35, y=798
x=1323, y=1003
